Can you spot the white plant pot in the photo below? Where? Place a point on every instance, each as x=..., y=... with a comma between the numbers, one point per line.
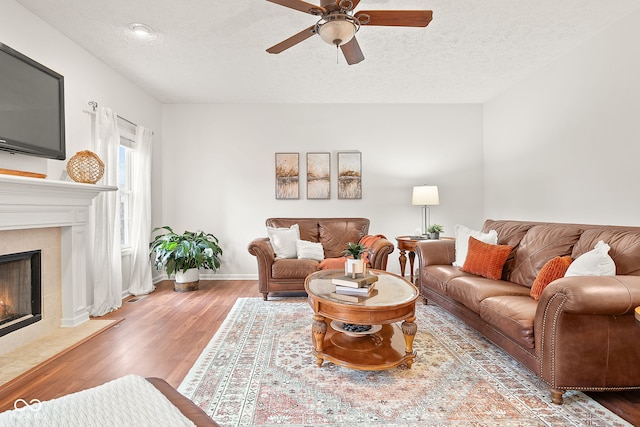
x=187, y=280
x=354, y=266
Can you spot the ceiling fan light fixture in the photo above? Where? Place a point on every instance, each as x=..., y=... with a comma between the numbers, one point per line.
x=337, y=30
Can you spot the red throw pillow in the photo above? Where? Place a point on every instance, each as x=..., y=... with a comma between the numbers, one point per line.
x=486, y=260
x=554, y=269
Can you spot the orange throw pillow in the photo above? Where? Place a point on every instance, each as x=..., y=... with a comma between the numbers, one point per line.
x=332, y=263
x=554, y=269
x=486, y=260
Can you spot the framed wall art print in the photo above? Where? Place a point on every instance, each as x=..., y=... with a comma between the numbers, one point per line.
x=287, y=175
x=350, y=175
x=318, y=175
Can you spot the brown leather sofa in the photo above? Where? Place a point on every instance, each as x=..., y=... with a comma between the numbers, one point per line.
x=581, y=334
x=287, y=275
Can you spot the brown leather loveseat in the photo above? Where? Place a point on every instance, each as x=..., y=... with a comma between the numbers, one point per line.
x=287, y=275
x=581, y=334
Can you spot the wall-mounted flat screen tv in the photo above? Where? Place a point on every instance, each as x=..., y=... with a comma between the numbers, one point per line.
x=31, y=107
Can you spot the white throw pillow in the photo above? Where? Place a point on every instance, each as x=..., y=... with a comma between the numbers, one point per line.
x=596, y=262
x=310, y=250
x=462, y=234
x=283, y=240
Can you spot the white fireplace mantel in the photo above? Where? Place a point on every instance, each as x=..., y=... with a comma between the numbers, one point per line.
x=39, y=203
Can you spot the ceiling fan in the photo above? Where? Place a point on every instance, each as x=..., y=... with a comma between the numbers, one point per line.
x=338, y=24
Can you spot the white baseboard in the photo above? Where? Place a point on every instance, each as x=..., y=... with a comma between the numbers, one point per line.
x=218, y=276
x=212, y=276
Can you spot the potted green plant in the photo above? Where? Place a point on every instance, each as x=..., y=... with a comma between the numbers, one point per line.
x=184, y=254
x=434, y=231
x=355, y=263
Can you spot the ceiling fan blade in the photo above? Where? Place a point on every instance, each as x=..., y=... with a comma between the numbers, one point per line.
x=396, y=18
x=352, y=52
x=301, y=6
x=293, y=40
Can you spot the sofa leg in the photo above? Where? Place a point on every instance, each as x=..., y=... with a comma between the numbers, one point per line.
x=426, y=301
x=556, y=395
x=264, y=295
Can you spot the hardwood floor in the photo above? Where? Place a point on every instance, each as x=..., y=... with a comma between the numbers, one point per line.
x=162, y=335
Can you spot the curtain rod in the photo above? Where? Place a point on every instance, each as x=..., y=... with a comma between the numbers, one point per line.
x=94, y=106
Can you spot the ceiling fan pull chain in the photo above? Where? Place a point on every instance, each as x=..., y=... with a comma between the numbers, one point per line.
x=337, y=55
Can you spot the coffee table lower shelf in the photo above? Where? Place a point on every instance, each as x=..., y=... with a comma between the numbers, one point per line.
x=375, y=352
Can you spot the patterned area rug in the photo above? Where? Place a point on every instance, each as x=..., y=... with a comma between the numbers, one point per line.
x=258, y=370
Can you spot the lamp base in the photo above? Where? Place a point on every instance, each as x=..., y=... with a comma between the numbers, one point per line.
x=426, y=213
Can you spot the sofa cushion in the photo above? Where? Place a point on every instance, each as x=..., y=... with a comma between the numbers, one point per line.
x=554, y=269
x=336, y=234
x=596, y=262
x=513, y=315
x=462, y=234
x=486, y=260
x=471, y=290
x=283, y=240
x=541, y=243
x=293, y=268
x=438, y=276
x=625, y=248
x=509, y=233
x=308, y=226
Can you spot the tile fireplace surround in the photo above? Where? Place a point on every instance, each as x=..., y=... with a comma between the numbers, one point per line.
x=51, y=216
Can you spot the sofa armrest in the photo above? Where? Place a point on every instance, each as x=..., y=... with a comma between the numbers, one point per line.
x=184, y=404
x=379, y=252
x=262, y=250
x=599, y=295
x=436, y=252
x=585, y=333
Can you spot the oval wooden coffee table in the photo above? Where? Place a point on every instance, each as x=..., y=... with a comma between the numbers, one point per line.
x=393, y=300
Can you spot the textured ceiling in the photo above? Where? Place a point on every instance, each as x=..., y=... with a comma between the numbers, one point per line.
x=214, y=52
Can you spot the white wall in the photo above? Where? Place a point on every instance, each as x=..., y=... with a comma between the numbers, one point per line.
x=86, y=79
x=560, y=146
x=564, y=145
x=218, y=167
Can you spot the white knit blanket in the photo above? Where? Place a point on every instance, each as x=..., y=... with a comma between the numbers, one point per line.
x=126, y=401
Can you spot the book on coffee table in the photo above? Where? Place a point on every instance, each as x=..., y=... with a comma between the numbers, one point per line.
x=365, y=290
x=351, y=297
x=358, y=282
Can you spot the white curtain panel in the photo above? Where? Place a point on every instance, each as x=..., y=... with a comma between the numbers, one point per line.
x=106, y=259
x=140, y=280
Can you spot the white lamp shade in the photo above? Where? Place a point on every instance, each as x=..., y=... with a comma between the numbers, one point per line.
x=426, y=195
x=337, y=32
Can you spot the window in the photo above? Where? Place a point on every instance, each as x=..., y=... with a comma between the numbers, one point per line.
x=125, y=165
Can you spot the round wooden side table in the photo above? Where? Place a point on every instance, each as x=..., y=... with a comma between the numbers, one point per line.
x=408, y=243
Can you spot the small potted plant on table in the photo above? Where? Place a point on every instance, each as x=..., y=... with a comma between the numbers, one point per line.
x=184, y=254
x=434, y=231
x=355, y=262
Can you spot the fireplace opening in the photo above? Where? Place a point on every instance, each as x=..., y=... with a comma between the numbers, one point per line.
x=20, y=290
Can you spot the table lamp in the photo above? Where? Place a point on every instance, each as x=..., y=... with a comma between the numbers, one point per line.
x=425, y=195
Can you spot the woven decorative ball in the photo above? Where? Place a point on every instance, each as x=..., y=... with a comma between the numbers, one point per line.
x=85, y=166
